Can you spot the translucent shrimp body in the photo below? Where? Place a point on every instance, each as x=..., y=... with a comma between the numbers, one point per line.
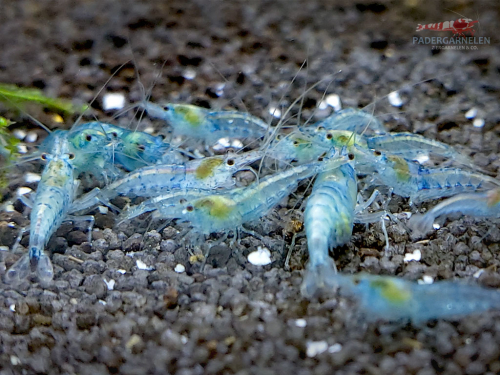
x=91, y=147
x=328, y=221
x=53, y=198
x=204, y=174
x=133, y=149
x=483, y=204
x=391, y=298
x=210, y=126
x=224, y=211
x=409, y=145
x=410, y=179
x=352, y=120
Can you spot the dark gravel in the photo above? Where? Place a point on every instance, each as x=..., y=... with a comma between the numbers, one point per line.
x=104, y=314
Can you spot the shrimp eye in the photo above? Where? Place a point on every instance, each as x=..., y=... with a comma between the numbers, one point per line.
x=114, y=134
x=189, y=208
x=350, y=156
x=356, y=281
x=162, y=137
x=295, y=143
x=329, y=136
x=182, y=201
x=71, y=156
x=43, y=156
x=230, y=162
x=320, y=128
x=377, y=153
x=278, y=137
x=88, y=137
x=321, y=158
x=141, y=148
x=166, y=108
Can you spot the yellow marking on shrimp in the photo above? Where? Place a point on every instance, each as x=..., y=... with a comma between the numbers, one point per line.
x=54, y=177
x=493, y=197
x=391, y=291
x=206, y=168
x=400, y=167
x=217, y=206
x=190, y=113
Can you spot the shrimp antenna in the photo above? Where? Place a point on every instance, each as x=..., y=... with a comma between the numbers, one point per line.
x=99, y=92
x=44, y=127
x=227, y=81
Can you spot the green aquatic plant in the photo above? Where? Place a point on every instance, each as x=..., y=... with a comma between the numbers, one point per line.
x=17, y=97
x=8, y=151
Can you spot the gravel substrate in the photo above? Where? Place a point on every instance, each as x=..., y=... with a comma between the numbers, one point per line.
x=119, y=306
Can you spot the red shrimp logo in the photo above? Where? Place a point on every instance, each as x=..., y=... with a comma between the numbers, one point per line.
x=458, y=27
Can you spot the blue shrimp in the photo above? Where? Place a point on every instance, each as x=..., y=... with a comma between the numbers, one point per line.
x=210, y=212
x=410, y=179
x=483, y=204
x=396, y=299
x=411, y=146
x=350, y=119
x=134, y=149
x=205, y=124
x=53, y=198
x=328, y=221
x=205, y=174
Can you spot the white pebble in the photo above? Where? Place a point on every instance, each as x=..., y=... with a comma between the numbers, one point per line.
x=19, y=134
x=333, y=100
x=416, y=256
x=14, y=361
x=113, y=101
x=9, y=208
x=184, y=339
x=275, y=112
x=22, y=149
x=395, y=99
x=123, y=272
x=12, y=308
x=261, y=257
x=32, y=177
x=110, y=284
x=478, y=123
x=4, y=248
x=23, y=190
x=471, y=113
x=189, y=74
x=31, y=137
x=322, y=105
x=313, y=348
x=237, y=144
x=179, y=268
x=436, y=226
x=422, y=158
x=219, y=89
x=426, y=280
x=103, y=210
x=142, y=266
x=104, y=303
x=301, y=323
x=478, y=273
x=335, y=348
